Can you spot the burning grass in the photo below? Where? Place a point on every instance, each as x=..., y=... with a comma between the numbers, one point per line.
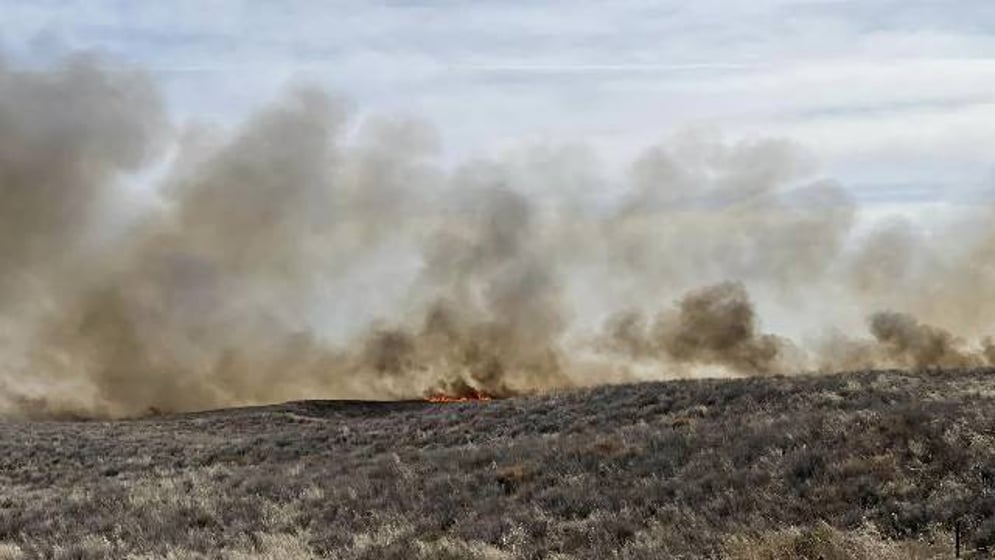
x=471, y=396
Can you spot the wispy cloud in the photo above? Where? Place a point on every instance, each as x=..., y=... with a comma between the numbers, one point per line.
x=883, y=83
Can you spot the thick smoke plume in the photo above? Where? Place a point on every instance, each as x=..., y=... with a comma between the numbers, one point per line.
x=148, y=265
x=715, y=325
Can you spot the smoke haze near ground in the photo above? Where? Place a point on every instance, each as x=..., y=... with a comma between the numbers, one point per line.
x=148, y=265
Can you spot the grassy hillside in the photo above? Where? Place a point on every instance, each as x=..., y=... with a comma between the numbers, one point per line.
x=862, y=465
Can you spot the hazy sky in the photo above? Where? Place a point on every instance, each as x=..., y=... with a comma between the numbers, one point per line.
x=895, y=97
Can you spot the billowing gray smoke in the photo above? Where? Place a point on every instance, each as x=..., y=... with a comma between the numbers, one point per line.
x=147, y=266
x=715, y=325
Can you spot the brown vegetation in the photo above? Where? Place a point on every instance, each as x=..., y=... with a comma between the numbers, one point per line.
x=864, y=465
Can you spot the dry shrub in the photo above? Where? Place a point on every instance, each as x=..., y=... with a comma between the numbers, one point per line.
x=278, y=547
x=91, y=547
x=455, y=549
x=681, y=421
x=824, y=542
x=512, y=476
x=11, y=551
x=607, y=447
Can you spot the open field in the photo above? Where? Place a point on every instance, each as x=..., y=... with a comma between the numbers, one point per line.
x=861, y=465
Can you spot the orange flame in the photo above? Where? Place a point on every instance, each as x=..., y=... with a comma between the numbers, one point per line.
x=472, y=395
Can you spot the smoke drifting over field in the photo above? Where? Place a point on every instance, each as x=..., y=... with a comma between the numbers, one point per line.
x=146, y=266
x=714, y=325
